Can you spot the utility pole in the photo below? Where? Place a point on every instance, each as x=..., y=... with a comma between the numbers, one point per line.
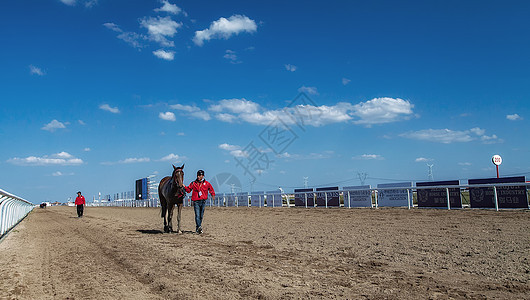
x=431, y=177
x=306, y=181
x=362, y=177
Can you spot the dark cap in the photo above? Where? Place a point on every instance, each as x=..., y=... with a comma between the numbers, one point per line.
x=200, y=172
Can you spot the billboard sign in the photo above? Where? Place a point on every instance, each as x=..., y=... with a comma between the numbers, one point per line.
x=357, y=196
x=328, y=196
x=230, y=199
x=437, y=197
x=507, y=196
x=394, y=197
x=274, y=199
x=304, y=197
x=257, y=199
x=141, y=189
x=242, y=199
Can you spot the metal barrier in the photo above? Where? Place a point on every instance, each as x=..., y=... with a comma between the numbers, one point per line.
x=12, y=210
x=347, y=196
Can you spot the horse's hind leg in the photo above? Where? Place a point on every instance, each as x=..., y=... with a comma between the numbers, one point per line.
x=179, y=210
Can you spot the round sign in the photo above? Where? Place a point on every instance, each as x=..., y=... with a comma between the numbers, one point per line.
x=496, y=159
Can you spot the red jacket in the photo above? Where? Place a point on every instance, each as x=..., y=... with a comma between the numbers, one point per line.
x=203, y=187
x=79, y=200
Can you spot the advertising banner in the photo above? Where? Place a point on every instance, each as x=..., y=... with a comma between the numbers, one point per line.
x=438, y=197
x=257, y=199
x=394, y=197
x=230, y=199
x=274, y=199
x=328, y=195
x=303, y=195
x=242, y=199
x=357, y=196
x=507, y=196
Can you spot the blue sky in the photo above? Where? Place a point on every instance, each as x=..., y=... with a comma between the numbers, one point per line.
x=96, y=94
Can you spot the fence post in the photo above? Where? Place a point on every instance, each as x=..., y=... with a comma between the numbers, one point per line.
x=448, y=202
x=495, y=197
x=408, y=197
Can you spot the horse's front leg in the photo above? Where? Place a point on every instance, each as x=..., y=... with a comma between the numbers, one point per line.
x=170, y=217
x=179, y=210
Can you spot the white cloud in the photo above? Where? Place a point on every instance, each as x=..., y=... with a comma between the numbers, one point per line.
x=225, y=28
x=133, y=160
x=477, y=131
x=382, y=110
x=169, y=8
x=228, y=118
x=61, y=158
x=53, y=125
x=59, y=173
x=187, y=108
x=163, y=54
x=201, y=115
x=107, y=107
x=159, y=29
x=36, y=71
x=423, y=159
x=87, y=149
x=232, y=57
x=514, y=117
x=81, y=122
x=132, y=38
x=375, y=111
x=113, y=27
x=168, y=116
x=464, y=163
x=69, y=2
x=290, y=68
x=236, y=106
x=91, y=3
x=369, y=157
x=192, y=111
x=345, y=81
x=447, y=136
x=311, y=90
x=171, y=157
x=229, y=147
x=313, y=155
x=234, y=150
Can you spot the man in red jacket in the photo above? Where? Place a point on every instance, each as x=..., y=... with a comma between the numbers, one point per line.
x=200, y=189
x=80, y=203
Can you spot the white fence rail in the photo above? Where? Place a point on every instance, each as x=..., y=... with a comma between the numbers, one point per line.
x=346, y=198
x=12, y=210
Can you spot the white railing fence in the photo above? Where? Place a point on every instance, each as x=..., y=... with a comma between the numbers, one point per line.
x=12, y=210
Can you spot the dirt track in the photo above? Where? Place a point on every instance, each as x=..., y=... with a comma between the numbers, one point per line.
x=120, y=253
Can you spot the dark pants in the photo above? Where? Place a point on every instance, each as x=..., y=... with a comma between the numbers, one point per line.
x=199, y=206
x=80, y=210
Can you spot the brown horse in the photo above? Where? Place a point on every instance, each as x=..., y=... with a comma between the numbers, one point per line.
x=171, y=191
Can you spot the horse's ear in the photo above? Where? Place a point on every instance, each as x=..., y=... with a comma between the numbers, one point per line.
x=174, y=168
x=182, y=166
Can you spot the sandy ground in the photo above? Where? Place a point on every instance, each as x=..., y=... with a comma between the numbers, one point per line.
x=268, y=253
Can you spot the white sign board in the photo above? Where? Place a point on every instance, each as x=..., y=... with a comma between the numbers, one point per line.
x=357, y=196
x=394, y=197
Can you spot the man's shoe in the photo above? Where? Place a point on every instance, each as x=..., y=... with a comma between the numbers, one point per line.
x=199, y=231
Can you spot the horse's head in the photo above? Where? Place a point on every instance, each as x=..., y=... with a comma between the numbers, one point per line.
x=178, y=175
